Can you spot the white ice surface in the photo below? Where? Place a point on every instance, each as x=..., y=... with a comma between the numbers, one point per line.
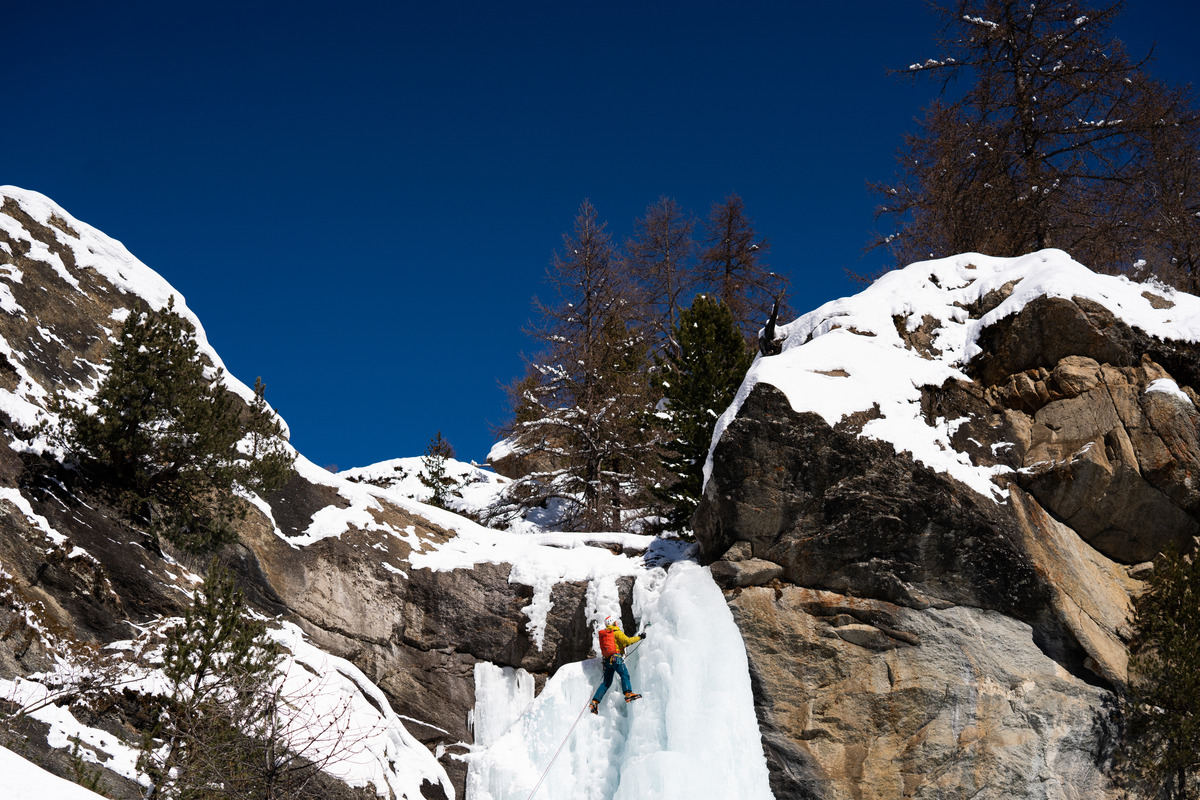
x=692, y=735
x=507, y=693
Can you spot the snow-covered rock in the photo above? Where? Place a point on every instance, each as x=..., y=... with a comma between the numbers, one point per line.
x=965, y=461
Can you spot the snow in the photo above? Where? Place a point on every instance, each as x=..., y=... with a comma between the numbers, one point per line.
x=1170, y=387
x=15, y=497
x=94, y=250
x=475, y=487
x=693, y=734
x=24, y=780
x=341, y=720
x=65, y=729
x=500, y=450
x=847, y=356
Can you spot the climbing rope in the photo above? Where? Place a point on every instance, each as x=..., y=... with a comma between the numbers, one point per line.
x=556, y=752
x=545, y=772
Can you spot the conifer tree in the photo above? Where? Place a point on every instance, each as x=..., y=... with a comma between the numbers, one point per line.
x=698, y=383
x=268, y=458
x=166, y=435
x=220, y=669
x=1162, y=705
x=732, y=266
x=583, y=413
x=433, y=470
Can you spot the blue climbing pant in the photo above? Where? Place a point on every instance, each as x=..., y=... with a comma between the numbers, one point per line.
x=611, y=664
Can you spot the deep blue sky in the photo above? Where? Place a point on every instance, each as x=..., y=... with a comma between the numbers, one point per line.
x=360, y=199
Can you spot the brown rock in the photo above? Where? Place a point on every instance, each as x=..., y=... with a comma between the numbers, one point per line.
x=973, y=709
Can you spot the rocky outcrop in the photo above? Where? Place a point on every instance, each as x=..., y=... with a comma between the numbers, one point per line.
x=1107, y=456
x=919, y=638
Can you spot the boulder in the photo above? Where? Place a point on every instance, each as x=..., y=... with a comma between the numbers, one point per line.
x=747, y=572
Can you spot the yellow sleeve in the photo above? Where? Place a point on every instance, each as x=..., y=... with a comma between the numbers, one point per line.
x=624, y=641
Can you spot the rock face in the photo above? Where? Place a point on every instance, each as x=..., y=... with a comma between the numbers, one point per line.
x=891, y=702
x=920, y=638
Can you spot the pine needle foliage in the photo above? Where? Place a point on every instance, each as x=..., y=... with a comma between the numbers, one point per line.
x=164, y=433
x=433, y=470
x=698, y=383
x=1162, y=705
x=220, y=668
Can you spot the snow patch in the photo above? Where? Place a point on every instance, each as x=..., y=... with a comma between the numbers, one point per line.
x=24, y=780
x=1170, y=387
x=15, y=497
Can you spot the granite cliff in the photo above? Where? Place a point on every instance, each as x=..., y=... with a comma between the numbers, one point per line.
x=930, y=513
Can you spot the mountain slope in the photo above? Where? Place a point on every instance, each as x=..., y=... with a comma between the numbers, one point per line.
x=397, y=607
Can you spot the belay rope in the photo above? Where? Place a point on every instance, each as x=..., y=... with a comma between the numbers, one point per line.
x=566, y=738
x=559, y=750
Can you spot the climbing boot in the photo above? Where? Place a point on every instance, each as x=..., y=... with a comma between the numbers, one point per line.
x=594, y=706
x=631, y=696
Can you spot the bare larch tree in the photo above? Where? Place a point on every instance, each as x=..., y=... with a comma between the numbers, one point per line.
x=1060, y=139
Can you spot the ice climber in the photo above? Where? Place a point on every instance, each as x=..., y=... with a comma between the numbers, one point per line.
x=613, y=642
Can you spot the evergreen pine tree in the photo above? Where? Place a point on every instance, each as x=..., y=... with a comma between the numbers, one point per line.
x=433, y=470
x=698, y=383
x=1162, y=705
x=167, y=436
x=269, y=458
x=220, y=668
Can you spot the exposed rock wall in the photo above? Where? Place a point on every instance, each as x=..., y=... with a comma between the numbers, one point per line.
x=909, y=637
x=866, y=699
